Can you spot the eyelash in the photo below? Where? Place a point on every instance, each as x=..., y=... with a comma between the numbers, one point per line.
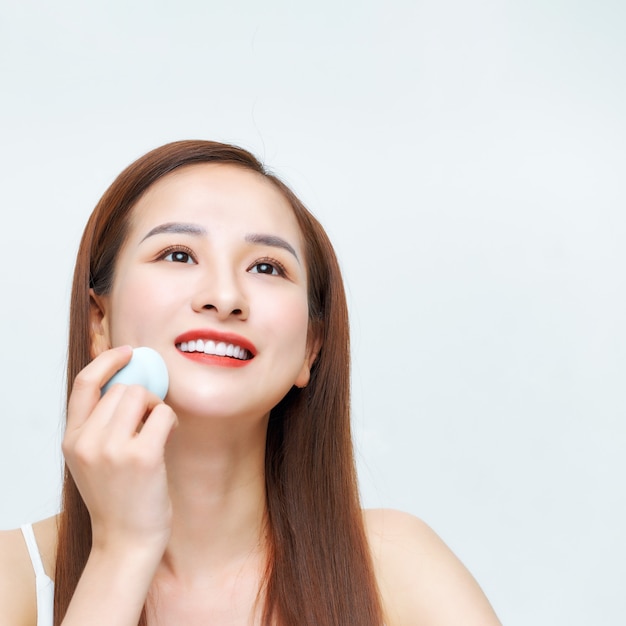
x=275, y=263
x=173, y=249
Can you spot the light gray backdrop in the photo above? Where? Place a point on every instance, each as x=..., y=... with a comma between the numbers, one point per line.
x=468, y=160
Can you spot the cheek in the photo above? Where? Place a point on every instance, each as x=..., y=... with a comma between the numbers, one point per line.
x=138, y=307
x=290, y=321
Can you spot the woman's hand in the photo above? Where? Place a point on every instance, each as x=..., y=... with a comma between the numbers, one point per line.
x=114, y=448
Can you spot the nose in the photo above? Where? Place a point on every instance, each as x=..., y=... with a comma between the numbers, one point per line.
x=222, y=294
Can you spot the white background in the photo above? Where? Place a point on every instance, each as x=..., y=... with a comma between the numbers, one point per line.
x=467, y=159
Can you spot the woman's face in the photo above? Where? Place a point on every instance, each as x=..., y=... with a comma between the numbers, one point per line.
x=212, y=275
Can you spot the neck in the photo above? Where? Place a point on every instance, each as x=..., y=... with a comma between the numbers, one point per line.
x=216, y=475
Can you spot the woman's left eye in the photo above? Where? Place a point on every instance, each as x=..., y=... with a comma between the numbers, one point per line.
x=265, y=267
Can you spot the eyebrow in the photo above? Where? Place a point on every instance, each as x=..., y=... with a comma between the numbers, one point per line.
x=271, y=240
x=176, y=228
x=198, y=231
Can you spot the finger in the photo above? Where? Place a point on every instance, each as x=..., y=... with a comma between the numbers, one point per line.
x=87, y=385
x=119, y=412
x=157, y=428
x=133, y=405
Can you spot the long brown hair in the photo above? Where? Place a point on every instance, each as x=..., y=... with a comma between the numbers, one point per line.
x=319, y=570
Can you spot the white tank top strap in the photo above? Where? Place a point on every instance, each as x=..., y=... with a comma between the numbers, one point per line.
x=44, y=584
x=33, y=550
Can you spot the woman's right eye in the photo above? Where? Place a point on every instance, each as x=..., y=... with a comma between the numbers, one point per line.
x=178, y=256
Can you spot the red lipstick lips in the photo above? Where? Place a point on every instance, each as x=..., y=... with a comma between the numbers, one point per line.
x=215, y=348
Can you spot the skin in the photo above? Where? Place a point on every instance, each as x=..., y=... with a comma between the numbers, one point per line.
x=177, y=498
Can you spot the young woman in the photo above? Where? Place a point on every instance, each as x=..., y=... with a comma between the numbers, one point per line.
x=234, y=502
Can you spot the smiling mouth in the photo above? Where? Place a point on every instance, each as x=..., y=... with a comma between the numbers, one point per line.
x=216, y=348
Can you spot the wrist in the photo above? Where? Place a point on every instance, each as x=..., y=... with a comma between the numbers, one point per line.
x=128, y=549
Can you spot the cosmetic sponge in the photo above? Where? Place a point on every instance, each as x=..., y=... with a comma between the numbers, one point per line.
x=147, y=368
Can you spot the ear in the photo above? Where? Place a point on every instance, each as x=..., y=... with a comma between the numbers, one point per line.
x=98, y=324
x=314, y=345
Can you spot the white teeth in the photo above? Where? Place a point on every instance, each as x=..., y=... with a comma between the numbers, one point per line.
x=210, y=347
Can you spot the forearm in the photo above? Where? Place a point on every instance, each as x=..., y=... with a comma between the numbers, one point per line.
x=112, y=588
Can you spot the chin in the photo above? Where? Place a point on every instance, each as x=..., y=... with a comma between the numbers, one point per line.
x=214, y=400
x=215, y=408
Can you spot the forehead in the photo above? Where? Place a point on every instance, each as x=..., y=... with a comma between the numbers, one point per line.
x=217, y=196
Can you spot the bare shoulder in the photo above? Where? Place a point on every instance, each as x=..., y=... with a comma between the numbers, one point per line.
x=17, y=578
x=421, y=581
